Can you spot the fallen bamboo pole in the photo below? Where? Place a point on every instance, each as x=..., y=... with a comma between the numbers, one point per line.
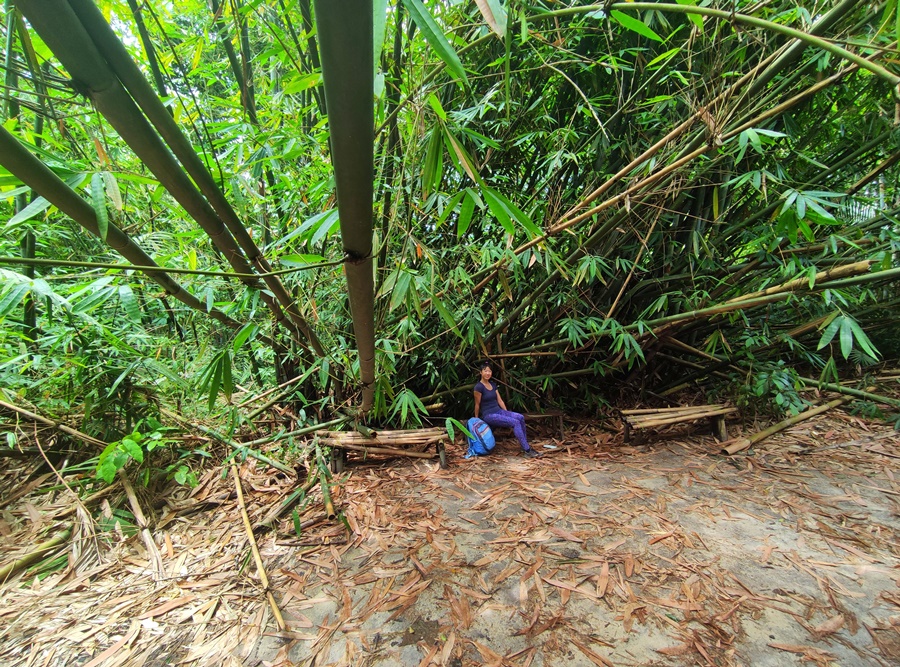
x=740, y=444
x=279, y=619
x=858, y=393
x=35, y=556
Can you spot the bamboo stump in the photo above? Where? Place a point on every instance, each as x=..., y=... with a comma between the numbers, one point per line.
x=633, y=420
x=410, y=443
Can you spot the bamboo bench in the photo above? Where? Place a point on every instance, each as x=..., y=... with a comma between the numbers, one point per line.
x=408, y=443
x=652, y=418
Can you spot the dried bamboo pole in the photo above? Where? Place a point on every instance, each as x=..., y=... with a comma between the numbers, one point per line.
x=279, y=619
x=35, y=556
x=740, y=444
x=152, y=549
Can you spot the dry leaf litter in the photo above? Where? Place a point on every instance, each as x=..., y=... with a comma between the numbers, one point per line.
x=666, y=553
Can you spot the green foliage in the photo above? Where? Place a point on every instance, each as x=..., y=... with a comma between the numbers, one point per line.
x=137, y=447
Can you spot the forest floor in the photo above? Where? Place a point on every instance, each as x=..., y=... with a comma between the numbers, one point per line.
x=662, y=553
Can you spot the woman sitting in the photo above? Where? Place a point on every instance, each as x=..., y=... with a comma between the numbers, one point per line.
x=492, y=410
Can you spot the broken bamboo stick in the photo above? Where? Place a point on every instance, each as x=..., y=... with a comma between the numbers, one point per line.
x=740, y=444
x=279, y=619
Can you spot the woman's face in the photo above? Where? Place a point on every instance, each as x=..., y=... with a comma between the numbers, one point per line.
x=486, y=373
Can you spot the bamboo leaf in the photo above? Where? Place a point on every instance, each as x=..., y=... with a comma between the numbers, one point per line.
x=12, y=298
x=635, y=25
x=300, y=260
x=431, y=169
x=494, y=15
x=846, y=337
x=829, y=332
x=227, y=382
x=98, y=201
x=247, y=332
x=445, y=314
x=379, y=19
x=435, y=37
x=498, y=209
x=130, y=303
x=465, y=213
x=696, y=19
x=39, y=205
x=463, y=159
x=112, y=189
x=215, y=381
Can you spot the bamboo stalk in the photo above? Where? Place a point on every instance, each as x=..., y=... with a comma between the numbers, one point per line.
x=740, y=444
x=844, y=271
x=34, y=556
x=279, y=619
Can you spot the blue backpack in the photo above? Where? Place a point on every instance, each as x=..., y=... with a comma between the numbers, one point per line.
x=483, y=442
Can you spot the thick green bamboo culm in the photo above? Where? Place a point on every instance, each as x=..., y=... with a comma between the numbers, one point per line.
x=34, y=173
x=345, y=37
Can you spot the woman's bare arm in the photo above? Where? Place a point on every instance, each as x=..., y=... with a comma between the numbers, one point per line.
x=477, y=402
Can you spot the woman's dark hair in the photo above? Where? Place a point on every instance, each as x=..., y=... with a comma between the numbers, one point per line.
x=485, y=364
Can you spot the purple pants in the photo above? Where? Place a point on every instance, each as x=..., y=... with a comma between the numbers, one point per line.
x=513, y=420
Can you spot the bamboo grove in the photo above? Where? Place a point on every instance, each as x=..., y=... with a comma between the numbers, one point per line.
x=354, y=202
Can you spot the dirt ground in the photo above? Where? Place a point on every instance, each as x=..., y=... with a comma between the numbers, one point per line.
x=663, y=553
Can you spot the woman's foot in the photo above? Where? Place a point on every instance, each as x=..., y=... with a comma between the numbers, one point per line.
x=530, y=454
